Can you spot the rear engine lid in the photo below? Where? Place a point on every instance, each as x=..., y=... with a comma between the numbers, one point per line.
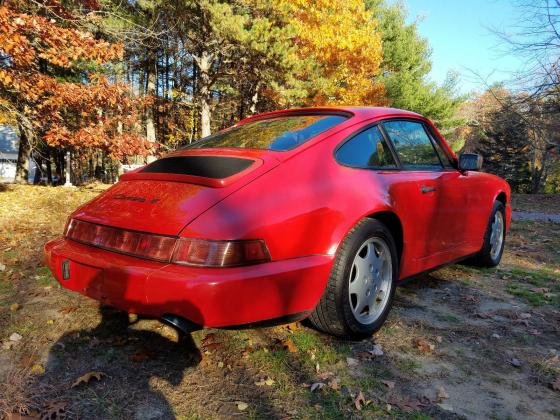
x=209, y=169
x=166, y=195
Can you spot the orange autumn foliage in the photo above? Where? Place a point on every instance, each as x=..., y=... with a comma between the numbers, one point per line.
x=89, y=113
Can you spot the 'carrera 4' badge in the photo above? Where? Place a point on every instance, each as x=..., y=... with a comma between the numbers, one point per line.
x=135, y=198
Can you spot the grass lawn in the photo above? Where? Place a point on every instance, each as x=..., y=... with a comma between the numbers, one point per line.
x=460, y=342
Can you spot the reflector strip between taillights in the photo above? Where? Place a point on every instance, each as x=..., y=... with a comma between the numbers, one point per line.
x=185, y=251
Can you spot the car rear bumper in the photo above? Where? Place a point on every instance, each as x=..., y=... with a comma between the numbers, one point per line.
x=206, y=296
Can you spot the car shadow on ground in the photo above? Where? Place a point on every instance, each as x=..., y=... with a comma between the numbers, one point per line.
x=134, y=361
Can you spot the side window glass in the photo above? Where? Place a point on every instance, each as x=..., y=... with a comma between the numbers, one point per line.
x=366, y=149
x=442, y=155
x=412, y=144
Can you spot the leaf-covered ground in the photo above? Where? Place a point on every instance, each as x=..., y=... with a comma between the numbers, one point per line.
x=460, y=342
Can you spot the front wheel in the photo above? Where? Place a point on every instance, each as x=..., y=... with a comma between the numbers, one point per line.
x=360, y=290
x=494, y=239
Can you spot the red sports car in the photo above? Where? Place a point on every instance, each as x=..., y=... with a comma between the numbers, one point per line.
x=302, y=213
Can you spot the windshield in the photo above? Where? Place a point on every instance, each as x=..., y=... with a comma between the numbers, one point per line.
x=280, y=133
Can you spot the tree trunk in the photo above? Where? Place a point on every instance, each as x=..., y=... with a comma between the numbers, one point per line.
x=151, y=91
x=204, y=65
x=49, y=167
x=38, y=169
x=255, y=99
x=26, y=139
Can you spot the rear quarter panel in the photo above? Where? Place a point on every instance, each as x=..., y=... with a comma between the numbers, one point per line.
x=304, y=206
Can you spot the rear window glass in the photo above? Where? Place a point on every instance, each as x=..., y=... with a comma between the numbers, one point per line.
x=282, y=133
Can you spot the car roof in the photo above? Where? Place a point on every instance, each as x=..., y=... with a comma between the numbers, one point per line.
x=357, y=112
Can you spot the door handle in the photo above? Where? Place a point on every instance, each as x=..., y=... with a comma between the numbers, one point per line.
x=427, y=189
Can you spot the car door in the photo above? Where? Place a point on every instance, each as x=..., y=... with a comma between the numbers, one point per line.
x=456, y=197
x=369, y=149
x=430, y=193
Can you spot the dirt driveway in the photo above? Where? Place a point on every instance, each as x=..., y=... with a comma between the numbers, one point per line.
x=460, y=342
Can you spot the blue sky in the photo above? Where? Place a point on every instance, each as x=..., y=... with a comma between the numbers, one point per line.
x=459, y=35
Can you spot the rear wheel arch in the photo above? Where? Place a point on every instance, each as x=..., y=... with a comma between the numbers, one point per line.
x=393, y=223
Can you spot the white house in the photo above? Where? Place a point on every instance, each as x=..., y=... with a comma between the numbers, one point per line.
x=9, y=144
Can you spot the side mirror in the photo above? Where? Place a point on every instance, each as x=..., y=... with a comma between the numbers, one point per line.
x=470, y=162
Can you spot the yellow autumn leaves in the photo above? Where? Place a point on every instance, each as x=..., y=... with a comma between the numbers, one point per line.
x=342, y=39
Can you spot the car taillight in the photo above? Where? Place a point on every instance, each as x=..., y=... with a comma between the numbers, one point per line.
x=145, y=245
x=195, y=252
x=206, y=253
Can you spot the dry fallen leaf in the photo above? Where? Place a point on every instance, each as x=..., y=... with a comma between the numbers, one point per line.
x=334, y=384
x=446, y=407
x=405, y=404
x=471, y=298
x=389, y=384
x=441, y=394
x=423, y=345
x=324, y=375
x=555, y=385
x=266, y=381
x=351, y=361
x=86, y=378
x=293, y=326
x=377, y=350
x=289, y=345
x=140, y=356
x=211, y=347
x=483, y=315
x=317, y=386
x=7, y=345
x=360, y=400
x=514, y=362
x=208, y=339
x=242, y=406
x=54, y=410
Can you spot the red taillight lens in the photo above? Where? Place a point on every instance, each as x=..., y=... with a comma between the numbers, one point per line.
x=154, y=247
x=197, y=252
x=205, y=253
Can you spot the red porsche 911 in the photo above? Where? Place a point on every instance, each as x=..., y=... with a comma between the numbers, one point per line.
x=312, y=213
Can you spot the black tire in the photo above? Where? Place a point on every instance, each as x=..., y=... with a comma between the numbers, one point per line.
x=333, y=315
x=485, y=258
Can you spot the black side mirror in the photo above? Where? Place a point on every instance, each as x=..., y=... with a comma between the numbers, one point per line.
x=470, y=162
